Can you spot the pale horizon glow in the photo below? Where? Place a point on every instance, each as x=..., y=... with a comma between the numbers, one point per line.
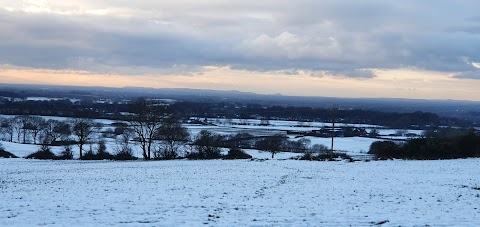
x=405, y=83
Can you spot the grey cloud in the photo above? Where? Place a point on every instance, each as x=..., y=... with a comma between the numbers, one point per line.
x=358, y=73
x=270, y=35
x=474, y=75
x=80, y=44
x=473, y=29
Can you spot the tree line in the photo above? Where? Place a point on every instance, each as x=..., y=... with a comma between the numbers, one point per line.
x=114, y=110
x=446, y=146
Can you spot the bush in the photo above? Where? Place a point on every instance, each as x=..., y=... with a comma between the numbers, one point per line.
x=207, y=146
x=385, y=150
x=318, y=148
x=307, y=156
x=124, y=156
x=66, y=154
x=104, y=155
x=235, y=153
x=101, y=154
x=195, y=156
x=6, y=154
x=164, y=153
x=463, y=146
x=90, y=155
x=43, y=153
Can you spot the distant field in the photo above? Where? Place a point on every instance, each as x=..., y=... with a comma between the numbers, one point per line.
x=239, y=193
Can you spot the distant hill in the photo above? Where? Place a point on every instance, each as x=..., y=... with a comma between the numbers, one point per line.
x=449, y=108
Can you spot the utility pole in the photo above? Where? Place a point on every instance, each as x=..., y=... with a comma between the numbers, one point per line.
x=334, y=109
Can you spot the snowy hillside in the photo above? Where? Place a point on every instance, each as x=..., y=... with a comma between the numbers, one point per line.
x=239, y=193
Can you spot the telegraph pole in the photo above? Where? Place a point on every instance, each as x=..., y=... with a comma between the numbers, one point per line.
x=334, y=109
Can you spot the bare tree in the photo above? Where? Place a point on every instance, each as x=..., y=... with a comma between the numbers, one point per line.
x=6, y=127
x=17, y=125
x=207, y=144
x=82, y=129
x=22, y=125
x=145, y=122
x=67, y=152
x=122, y=144
x=273, y=144
x=34, y=125
x=172, y=136
x=48, y=131
x=61, y=131
x=54, y=131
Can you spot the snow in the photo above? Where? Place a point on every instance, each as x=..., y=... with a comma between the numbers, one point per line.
x=286, y=124
x=51, y=99
x=23, y=150
x=64, y=119
x=351, y=145
x=230, y=130
x=239, y=193
x=387, y=132
x=267, y=155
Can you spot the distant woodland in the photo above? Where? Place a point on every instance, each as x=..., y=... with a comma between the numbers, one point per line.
x=183, y=110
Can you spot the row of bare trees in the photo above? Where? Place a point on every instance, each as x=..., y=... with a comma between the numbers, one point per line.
x=157, y=133
x=33, y=129
x=26, y=129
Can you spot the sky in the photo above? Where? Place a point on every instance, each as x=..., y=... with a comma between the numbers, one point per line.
x=368, y=48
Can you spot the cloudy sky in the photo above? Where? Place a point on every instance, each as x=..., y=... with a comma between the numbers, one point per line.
x=368, y=48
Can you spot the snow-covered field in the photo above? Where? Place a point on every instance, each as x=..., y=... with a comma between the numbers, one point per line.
x=239, y=193
x=349, y=145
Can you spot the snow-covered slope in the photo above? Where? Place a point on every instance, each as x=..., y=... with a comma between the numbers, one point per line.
x=239, y=193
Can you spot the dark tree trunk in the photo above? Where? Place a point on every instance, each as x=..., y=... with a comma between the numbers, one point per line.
x=81, y=147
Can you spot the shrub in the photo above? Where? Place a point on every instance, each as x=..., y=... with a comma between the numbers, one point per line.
x=207, y=146
x=104, y=155
x=6, y=154
x=90, y=155
x=164, y=153
x=307, y=156
x=385, y=150
x=124, y=152
x=124, y=156
x=66, y=154
x=236, y=153
x=430, y=148
x=43, y=153
x=195, y=156
x=101, y=153
x=463, y=146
